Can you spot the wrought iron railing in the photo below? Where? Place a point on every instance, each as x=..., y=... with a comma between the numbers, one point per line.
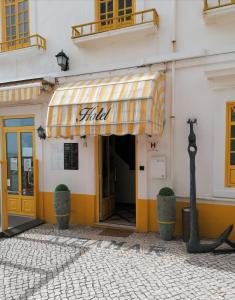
x=137, y=18
x=34, y=40
x=211, y=4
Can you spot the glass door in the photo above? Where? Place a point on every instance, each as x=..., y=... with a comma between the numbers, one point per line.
x=20, y=179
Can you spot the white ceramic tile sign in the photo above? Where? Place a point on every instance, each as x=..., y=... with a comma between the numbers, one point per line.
x=158, y=167
x=152, y=144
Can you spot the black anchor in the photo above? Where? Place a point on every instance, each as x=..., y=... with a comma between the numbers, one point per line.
x=194, y=245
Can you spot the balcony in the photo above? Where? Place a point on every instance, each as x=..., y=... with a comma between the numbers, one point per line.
x=26, y=42
x=219, y=11
x=145, y=21
x=211, y=4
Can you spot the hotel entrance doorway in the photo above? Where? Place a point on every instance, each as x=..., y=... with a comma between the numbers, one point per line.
x=117, y=180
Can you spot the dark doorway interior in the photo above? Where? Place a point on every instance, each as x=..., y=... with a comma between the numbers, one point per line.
x=119, y=159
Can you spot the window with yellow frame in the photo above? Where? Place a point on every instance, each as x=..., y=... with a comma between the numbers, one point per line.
x=230, y=145
x=15, y=23
x=114, y=13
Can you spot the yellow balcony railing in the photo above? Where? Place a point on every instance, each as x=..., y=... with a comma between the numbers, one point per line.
x=34, y=40
x=211, y=4
x=137, y=18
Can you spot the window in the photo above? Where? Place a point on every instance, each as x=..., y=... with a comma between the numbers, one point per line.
x=230, y=145
x=15, y=23
x=114, y=12
x=18, y=122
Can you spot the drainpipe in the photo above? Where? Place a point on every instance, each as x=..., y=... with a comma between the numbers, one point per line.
x=172, y=108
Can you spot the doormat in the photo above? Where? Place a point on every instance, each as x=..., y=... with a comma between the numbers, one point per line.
x=115, y=232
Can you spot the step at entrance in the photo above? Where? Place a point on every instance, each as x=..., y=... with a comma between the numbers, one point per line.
x=21, y=228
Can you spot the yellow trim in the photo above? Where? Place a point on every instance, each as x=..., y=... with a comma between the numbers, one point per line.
x=213, y=218
x=207, y=6
x=96, y=27
x=229, y=169
x=24, y=198
x=4, y=196
x=82, y=208
x=18, y=42
x=36, y=40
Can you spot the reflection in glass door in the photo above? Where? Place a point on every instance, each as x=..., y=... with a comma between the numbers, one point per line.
x=20, y=181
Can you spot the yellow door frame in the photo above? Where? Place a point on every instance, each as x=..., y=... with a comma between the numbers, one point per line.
x=98, y=174
x=18, y=130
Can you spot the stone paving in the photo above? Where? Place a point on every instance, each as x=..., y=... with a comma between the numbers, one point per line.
x=46, y=263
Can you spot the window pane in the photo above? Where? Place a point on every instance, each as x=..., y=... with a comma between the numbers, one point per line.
x=233, y=131
x=232, y=159
x=27, y=163
x=20, y=6
x=21, y=28
x=110, y=6
x=13, y=9
x=128, y=3
x=19, y=122
x=103, y=7
x=12, y=162
x=233, y=114
x=13, y=31
x=232, y=145
x=8, y=21
x=26, y=17
x=21, y=19
x=26, y=5
x=7, y=10
x=121, y=4
x=26, y=27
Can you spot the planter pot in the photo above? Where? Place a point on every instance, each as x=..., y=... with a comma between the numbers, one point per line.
x=62, y=205
x=166, y=215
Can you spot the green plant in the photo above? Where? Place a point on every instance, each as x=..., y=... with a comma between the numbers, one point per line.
x=166, y=191
x=61, y=188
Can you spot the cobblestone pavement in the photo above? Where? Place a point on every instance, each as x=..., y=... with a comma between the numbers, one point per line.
x=45, y=263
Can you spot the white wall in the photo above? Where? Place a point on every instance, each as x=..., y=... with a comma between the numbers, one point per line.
x=194, y=96
x=53, y=20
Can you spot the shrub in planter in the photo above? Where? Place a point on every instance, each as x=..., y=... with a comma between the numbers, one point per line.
x=166, y=213
x=62, y=203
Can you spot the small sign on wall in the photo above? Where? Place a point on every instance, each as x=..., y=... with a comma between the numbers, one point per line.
x=152, y=144
x=71, y=156
x=158, y=167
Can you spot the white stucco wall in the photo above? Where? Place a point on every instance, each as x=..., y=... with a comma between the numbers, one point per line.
x=194, y=96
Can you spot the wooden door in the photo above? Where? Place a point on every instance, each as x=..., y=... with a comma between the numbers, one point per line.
x=19, y=155
x=108, y=177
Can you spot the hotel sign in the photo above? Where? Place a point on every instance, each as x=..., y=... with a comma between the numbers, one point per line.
x=93, y=113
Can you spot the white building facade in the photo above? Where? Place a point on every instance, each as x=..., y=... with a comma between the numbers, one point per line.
x=190, y=43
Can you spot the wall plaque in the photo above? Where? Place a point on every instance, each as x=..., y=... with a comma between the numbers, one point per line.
x=71, y=156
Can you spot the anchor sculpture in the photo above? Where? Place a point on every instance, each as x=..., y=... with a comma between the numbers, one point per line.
x=194, y=245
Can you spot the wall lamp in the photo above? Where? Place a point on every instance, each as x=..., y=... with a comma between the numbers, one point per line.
x=62, y=60
x=83, y=137
x=41, y=133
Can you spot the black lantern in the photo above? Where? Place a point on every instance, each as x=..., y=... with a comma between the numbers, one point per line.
x=41, y=133
x=62, y=60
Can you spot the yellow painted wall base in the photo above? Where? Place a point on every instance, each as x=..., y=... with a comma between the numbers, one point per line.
x=82, y=208
x=213, y=218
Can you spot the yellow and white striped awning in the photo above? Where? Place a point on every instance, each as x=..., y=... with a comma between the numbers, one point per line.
x=131, y=104
x=17, y=94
